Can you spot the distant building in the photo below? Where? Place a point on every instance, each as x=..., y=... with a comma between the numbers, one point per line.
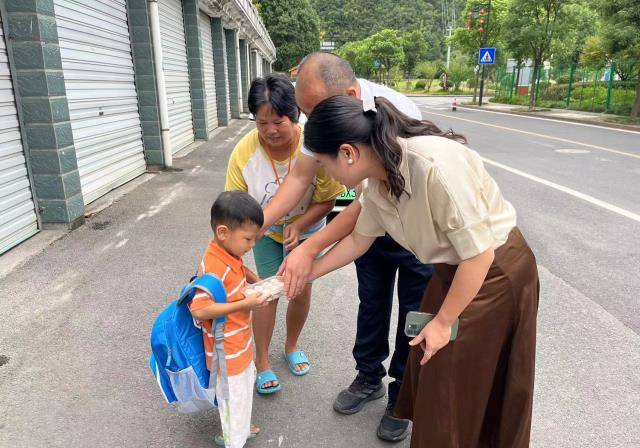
x=328, y=46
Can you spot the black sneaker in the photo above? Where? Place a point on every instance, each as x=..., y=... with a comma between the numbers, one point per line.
x=392, y=429
x=361, y=391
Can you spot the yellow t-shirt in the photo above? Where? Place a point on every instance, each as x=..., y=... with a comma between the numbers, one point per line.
x=250, y=170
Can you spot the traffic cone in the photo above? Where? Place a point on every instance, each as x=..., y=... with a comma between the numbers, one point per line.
x=454, y=105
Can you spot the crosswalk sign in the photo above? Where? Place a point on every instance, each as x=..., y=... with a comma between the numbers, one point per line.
x=486, y=56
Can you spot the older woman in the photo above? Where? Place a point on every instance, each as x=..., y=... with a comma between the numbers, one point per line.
x=259, y=164
x=433, y=195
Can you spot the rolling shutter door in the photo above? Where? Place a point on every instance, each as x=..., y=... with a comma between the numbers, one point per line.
x=204, y=22
x=103, y=106
x=17, y=212
x=176, y=73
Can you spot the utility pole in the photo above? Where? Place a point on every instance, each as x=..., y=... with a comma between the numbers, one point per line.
x=449, y=49
x=482, y=45
x=448, y=23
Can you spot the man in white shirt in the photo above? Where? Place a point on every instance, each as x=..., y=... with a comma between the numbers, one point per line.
x=320, y=76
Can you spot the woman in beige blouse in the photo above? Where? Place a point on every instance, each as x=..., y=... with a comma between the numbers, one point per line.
x=433, y=195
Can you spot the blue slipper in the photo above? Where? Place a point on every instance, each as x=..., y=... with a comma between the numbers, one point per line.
x=267, y=376
x=298, y=357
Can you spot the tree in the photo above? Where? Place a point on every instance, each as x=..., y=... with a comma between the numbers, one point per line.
x=538, y=23
x=414, y=45
x=581, y=22
x=427, y=71
x=621, y=36
x=294, y=28
x=469, y=38
x=479, y=29
x=459, y=71
x=352, y=20
x=358, y=54
x=519, y=50
x=386, y=49
x=593, y=53
x=331, y=14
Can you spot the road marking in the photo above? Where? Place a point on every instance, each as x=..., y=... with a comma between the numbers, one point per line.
x=572, y=151
x=570, y=191
x=606, y=128
x=560, y=139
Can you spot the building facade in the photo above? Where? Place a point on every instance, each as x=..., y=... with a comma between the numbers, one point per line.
x=97, y=92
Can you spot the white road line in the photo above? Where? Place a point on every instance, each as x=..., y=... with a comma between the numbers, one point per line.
x=606, y=128
x=536, y=134
x=585, y=197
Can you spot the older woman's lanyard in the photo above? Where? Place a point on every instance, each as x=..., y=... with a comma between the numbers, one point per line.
x=275, y=172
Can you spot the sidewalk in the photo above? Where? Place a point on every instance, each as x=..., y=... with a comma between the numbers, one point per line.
x=556, y=114
x=76, y=321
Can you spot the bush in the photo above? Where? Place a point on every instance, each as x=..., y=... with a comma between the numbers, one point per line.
x=584, y=97
x=554, y=92
x=516, y=99
x=420, y=84
x=448, y=86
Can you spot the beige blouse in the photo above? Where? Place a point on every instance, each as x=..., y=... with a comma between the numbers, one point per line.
x=453, y=211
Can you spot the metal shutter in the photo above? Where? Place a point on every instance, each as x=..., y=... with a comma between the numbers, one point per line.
x=103, y=105
x=204, y=23
x=176, y=73
x=17, y=213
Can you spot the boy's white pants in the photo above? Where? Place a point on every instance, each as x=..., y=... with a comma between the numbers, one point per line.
x=235, y=413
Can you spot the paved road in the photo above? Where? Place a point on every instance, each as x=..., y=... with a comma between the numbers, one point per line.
x=76, y=318
x=582, y=211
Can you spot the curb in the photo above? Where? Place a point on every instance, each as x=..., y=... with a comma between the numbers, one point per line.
x=417, y=95
x=604, y=124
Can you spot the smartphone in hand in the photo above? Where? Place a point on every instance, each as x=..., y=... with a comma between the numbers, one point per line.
x=416, y=321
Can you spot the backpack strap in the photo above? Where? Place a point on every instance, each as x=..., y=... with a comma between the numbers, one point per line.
x=213, y=287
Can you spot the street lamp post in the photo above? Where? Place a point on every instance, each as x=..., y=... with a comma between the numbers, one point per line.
x=482, y=45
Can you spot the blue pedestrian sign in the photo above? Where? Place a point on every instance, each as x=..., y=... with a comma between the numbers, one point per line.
x=486, y=56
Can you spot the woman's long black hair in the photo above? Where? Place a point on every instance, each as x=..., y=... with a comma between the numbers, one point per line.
x=276, y=90
x=341, y=119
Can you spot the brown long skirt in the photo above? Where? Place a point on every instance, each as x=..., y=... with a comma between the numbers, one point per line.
x=477, y=391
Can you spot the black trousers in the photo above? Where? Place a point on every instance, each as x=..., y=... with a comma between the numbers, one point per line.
x=377, y=270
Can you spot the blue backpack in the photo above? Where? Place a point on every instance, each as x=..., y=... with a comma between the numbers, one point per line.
x=178, y=359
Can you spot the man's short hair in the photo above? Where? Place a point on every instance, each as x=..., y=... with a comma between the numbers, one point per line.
x=235, y=208
x=336, y=73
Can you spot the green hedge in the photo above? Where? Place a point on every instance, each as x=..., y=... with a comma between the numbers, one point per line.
x=585, y=96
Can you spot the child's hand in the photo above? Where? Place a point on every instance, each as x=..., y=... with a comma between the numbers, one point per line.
x=256, y=301
x=291, y=237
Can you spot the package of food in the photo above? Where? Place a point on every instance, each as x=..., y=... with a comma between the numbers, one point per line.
x=271, y=286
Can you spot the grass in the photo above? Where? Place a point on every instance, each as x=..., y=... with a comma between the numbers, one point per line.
x=547, y=105
x=623, y=120
x=408, y=86
x=585, y=97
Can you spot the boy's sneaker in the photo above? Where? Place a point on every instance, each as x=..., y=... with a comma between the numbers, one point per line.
x=391, y=428
x=361, y=391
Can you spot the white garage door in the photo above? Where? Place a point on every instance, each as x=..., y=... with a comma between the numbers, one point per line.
x=176, y=73
x=17, y=213
x=103, y=105
x=204, y=23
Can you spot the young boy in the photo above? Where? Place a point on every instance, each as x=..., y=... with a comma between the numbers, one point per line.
x=236, y=219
